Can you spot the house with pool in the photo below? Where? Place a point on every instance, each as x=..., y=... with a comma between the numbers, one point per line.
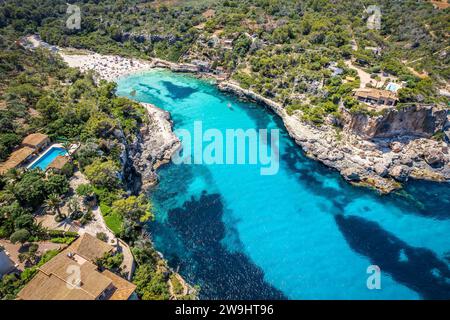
x=55, y=157
x=37, y=151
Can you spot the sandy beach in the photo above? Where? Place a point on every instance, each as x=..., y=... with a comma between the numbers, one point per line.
x=107, y=67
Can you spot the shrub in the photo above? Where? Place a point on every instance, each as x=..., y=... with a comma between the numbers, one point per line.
x=103, y=174
x=85, y=190
x=63, y=240
x=68, y=169
x=21, y=235
x=102, y=236
x=88, y=216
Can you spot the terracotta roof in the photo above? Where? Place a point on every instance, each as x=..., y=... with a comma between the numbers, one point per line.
x=89, y=247
x=34, y=139
x=375, y=93
x=124, y=289
x=44, y=287
x=58, y=162
x=15, y=159
x=55, y=281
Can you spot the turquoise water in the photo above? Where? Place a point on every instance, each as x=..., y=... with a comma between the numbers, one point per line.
x=303, y=233
x=48, y=157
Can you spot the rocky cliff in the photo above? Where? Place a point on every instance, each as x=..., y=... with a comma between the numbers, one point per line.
x=175, y=67
x=414, y=120
x=150, y=148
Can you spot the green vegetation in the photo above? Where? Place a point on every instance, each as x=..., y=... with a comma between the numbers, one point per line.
x=151, y=285
x=114, y=222
x=281, y=49
x=103, y=174
x=102, y=236
x=63, y=240
x=83, y=111
x=20, y=195
x=110, y=261
x=286, y=50
x=21, y=235
x=177, y=286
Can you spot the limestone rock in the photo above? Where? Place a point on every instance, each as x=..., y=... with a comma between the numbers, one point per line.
x=351, y=174
x=434, y=157
x=414, y=120
x=399, y=173
x=381, y=169
x=396, y=146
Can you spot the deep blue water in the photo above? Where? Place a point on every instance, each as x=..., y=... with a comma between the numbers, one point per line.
x=303, y=233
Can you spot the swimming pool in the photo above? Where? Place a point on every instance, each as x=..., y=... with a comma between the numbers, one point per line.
x=394, y=87
x=47, y=158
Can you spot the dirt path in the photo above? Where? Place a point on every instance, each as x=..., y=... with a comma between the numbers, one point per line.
x=365, y=76
x=98, y=225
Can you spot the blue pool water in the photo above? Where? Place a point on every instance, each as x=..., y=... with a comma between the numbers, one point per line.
x=48, y=157
x=393, y=87
x=303, y=233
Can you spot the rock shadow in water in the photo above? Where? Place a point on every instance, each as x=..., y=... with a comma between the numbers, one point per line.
x=222, y=274
x=177, y=92
x=149, y=90
x=309, y=172
x=422, y=198
x=417, y=268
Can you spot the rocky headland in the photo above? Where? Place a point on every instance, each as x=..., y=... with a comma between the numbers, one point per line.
x=377, y=151
x=155, y=145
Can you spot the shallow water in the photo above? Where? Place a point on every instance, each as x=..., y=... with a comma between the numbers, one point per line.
x=303, y=233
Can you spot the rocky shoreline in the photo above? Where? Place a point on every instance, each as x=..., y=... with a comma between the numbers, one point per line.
x=359, y=148
x=363, y=152
x=155, y=146
x=383, y=163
